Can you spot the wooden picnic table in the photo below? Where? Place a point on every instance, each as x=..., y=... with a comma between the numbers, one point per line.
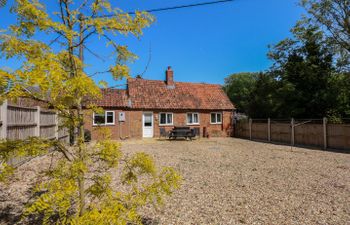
x=184, y=132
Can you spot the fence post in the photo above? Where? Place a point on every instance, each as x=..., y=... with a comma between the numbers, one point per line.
x=3, y=112
x=37, y=121
x=324, y=132
x=250, y=128
x=269, y=129
x=292, y=136
x=56, y=127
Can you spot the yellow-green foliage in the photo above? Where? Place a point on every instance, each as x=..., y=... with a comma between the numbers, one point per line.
x=6, y=171
x=13, y=148
x=59, y=198
x=79, y=186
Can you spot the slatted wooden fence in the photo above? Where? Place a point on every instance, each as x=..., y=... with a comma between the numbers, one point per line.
x=19, y=123
x=312, y=132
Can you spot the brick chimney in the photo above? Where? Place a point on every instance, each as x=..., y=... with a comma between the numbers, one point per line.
x=169, y=77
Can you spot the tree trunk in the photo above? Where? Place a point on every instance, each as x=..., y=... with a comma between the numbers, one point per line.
x=81, y=143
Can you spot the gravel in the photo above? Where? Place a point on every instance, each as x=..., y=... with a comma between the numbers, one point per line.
x=232, y=181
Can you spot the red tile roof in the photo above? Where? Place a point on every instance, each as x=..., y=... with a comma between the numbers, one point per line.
x=155, y=94
x=113, y=98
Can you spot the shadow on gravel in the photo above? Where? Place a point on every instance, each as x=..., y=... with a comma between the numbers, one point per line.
x=6, y=217
x=149, y=221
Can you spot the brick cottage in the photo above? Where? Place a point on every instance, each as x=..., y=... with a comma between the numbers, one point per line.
x=147, y=106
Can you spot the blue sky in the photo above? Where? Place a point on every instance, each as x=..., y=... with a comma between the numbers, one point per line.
x=202, y=44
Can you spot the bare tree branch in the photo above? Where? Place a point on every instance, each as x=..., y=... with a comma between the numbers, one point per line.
x=96, y=73
x=85, y=38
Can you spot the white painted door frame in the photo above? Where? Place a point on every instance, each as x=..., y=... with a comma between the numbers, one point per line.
x=147, y=131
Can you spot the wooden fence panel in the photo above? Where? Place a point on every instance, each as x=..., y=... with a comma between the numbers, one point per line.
x=281, y=132
x=47, y=118
x=259, y=131
x=20, y=132
x=21, y=115
x=338, y=136
x=21, y=122
x=63, y=135
x=63, y=132
x=315, y=132
x=48, y=132
x=48, y=124
x=309, y=134
x=242, y=129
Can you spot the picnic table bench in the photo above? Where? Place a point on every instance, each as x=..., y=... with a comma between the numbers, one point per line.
x=185, y=132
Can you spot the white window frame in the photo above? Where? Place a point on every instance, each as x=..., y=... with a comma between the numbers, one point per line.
x=105, y=123
x=166, y=117
x=192, y=118
x=216, y=117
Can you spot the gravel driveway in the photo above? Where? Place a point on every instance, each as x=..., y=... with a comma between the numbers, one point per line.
x=234, y=181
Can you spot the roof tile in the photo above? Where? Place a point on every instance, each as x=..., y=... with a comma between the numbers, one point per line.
x=112, y=98
x=155, y=94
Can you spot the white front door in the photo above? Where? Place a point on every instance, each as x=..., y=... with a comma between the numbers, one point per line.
x=147, y=124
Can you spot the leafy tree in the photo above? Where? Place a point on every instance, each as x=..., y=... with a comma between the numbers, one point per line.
x=262, y=98
x=333, y=17
x=308, y=81
x=318, y=56
x=3, y=3
x=239, y=87
x=341, y=84
x=307, y=73
x=310, y=73
x=313, y=66
x=80, y=188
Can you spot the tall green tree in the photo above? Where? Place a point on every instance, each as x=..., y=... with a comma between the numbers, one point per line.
x=60, y=82
x=262, y=98
x=305, y=66
x=239, y=87
x=310, y=75
x=305, y=78
x=2, y=3
x=314, y=65
x=333, y=17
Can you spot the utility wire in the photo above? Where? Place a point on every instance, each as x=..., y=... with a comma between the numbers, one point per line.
x=153, y=10
x=172, y=8
x=3, y=2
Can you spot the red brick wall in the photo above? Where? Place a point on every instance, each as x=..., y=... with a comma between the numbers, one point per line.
x=214, y=130
x=132, y=127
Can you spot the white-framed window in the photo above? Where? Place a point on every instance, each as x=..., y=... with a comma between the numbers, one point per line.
x=192, y=118
x=216, y=118
x=165, y=118
x=106, y=118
